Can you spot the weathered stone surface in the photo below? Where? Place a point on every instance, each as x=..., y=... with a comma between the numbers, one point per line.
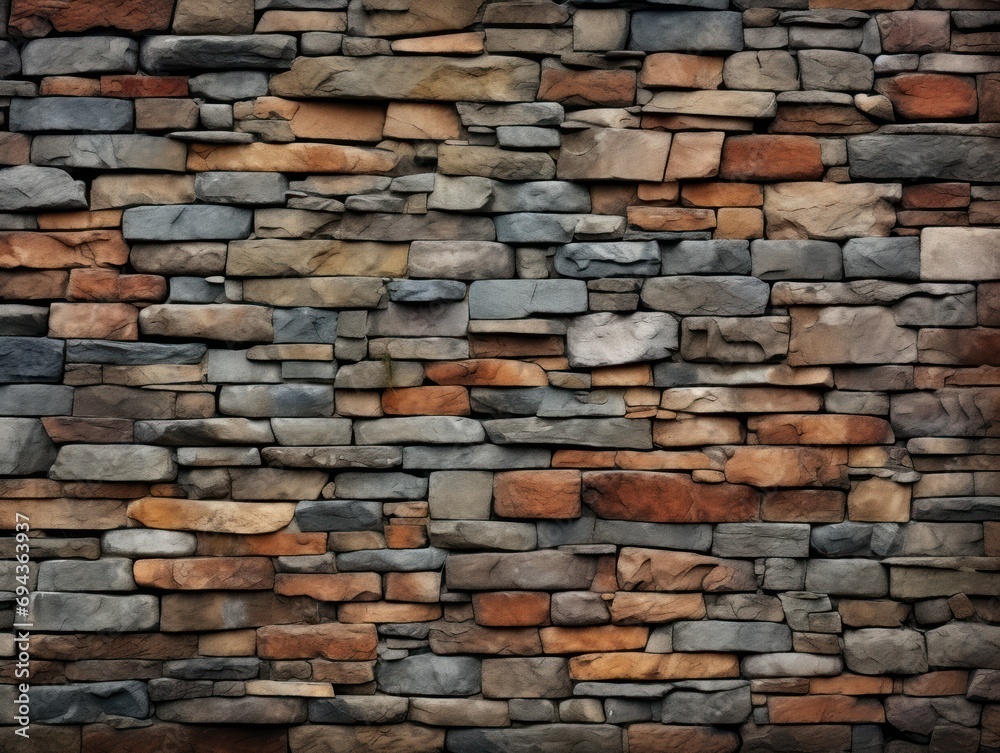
x=116, y=151
x=246, y=710
x=828, y=211
x=186, y=223
x=114, y=463
x=378, y=738
x=959, y=254
x=879, y=651
x=516, y=299
x=653, y=570
x=920, y=155
x=26, y=448
x=226, y=17
x=426, y=674
x=83, y=612
x=609, y=432
x=963, y=645
x=612, y=153
x=734, y=340
x=857, y=334
x=331, y=641
x=625, y=259
x=561, y=738
x=28, y=187
x=168, y=54
x=687, y=31
x=76, y=55
x=665, y=498
x=493, y=78
x=607, y=339
x=529, y=570
x=339, y=515
x=89, y=703
x=706, y=296
x=205, y=515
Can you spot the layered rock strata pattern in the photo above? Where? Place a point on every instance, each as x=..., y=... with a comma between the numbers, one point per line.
x=469, y=375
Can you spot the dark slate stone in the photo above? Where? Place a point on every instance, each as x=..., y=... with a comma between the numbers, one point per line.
x=230, y=86
x=547, y=738
x=74, y=55
x=796, y=260
x=30, y=359
x=86, y=703
x=166, y=54
x=507, y=401
x=724, y=257
x=361, y=709
x=590, y=530
x=25, y=447
x=213, y=668
x=956, y=509
x=723, y=635
x=305, y=325
x=882, y=258
x=21, y=320
x=430, y=675
x=339, y=515
x=195, y=290
x=392, y=560
x=10, y=60
x=426, y=291
x=186, y=222
x=920, y=155
x=241, y=188
x=32, y=187
x=94, y=114
x=618, y=259
x=478, y=457
x=36, y=400
x=688, y=31
x=133, y=354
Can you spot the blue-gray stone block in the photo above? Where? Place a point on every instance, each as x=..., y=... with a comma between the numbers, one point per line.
x=186, y=222
x=517, y=299
x=94, y=114
x=687, y=31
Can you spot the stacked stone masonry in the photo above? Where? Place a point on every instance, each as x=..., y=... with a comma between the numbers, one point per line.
x=499, y=376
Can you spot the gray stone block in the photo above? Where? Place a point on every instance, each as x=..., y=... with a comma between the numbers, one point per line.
x=419, y=430
x=213, y=668
x=21, y=320
x=460, y=495
x=963, y=644
x=541, y=570
x=517, y=299
x=528, y=137
x=716, y=702
x=25, y=447
x=482, y=534
x=882, y=258
x=312, y=431
x=559, y=403
x=588, y=432
x=167, y=54
x=109, y=151
x=132, y=354
x=380, y=486
x=148, y=542
x=609, y=339
x=461, y=260
x=110, y=574
x=956, y=509
x=113, y=462
x=237, y=711
x=430, y=675
x=30, y=359
x=619, y=259
x=195, y=290
x=516, y=401
x=535, y=227
x=847, y=577
x=86, y=703
x=10, y=60
x=703, y=32
x=835, y=70
x=726, y=257
x=720, y=635
x=426, y=291
x=241, y=188
x=881, y=651
x=284, y=400
x=36, y=400
x=392, y=560
x=304, y=325
x=375, y=709
x=28, y=187
x=924, y=155
x=485, y=457
x=480, y=194
x=707, y=296
x=189, y=222
x=339, y=515
x=761, y=540
x=230, y=86
x=93, y=613
x=70, y=56
x=791, y=665
x=95, y=114
x=203, y=431
x=796, y=260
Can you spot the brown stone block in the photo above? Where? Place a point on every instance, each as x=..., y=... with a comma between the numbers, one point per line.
x=848, y=684
x=93, y=248
x=102, y=218
x=656, y=570
x=878, y=500
x=338, y=121
x=634, y=667
x=824, y=708
x=671, y=738
x=420, y=120
x=915, y=31
x=79, y=646
x=165, y=114
x=15, y=149
x=787, y=466
x=666, y=498
x=697, y=431
x=487, y=372
x=936, y=196
x=671, y=219
x=722, y=195
x=266, y=544
x=405, y=536
x=69, y=86
x=469, y=638
x=95, y=321
x=738, y=223
x=30, y=488
x=229, y=573
x=511, y=609
x=760, y=158
x=967, y=347
x=536, y=677
x=803, y=506
x=393, y=738
x=222, y=610
x=381, y=612
x=179, y=738
x=694, y=155
x=537, y=494
x=343, y=672
x=594, y=87
x=677, y=71
x=856, y=613
x=104, y=490
x=292, y=158
x=135, y=87
x=329, y=641
x=584, y=459
x=29, y=286
x=36, y=18
x=330, y=586
x=108, y=285
x=65, y=514
x=575, y=640
x=820, y=429
x=427, y=401
x=63, y=429
x=631, y=608
x=946, y=682
x=422, y=587
x=661, y=460
x=515, y=346
x=930, y=96
x=207, y=515
x=628, y=375
x=828, y=119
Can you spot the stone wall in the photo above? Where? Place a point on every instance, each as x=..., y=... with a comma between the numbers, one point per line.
x=502, y=376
